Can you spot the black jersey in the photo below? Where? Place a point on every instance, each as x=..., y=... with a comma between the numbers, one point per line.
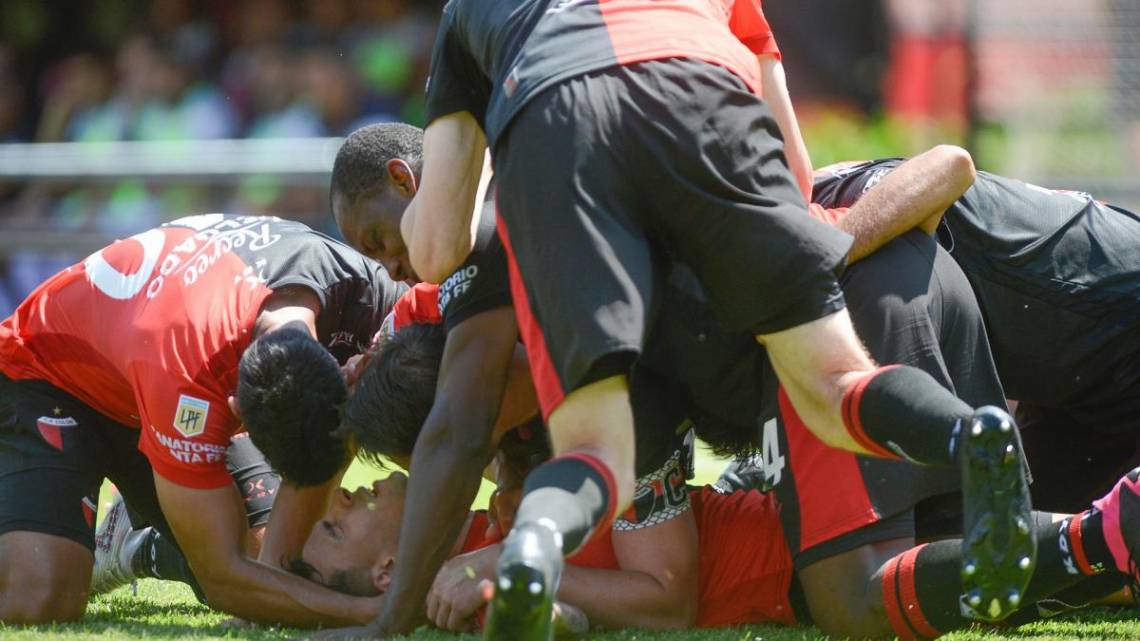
x=492, y=56
x=482, y=282
x=1056, y=273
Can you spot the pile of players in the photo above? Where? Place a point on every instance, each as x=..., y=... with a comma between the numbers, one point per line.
x=644, y=267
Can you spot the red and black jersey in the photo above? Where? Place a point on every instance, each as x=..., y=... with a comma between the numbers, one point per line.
x=1057, y=276
x=492, y=56
x=149, y=330
x=745, y=567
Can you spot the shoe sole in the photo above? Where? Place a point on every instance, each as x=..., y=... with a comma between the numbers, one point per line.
x=518, y=611
x=999, y=551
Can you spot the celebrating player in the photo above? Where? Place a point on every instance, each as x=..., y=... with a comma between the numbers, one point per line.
x=611, y=149
x=124, y=367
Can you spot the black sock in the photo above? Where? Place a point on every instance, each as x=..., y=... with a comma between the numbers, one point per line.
x=575, y=492
x=922, y=587
x=1078, y=596
x=1089, y=553
x=902, y=412
x=159, y=558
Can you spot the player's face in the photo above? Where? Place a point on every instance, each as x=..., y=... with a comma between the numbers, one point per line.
x=360, y=531
x=371, y=225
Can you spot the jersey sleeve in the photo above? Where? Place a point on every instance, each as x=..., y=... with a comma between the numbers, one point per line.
x=185, y=433
x=418, y=305
x=480, y=285
x=455, y=82
x=748, y=24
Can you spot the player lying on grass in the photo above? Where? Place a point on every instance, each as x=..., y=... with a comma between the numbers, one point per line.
x=124, y=367
x=897, y=600
x=1057, y=276
x=374, y=178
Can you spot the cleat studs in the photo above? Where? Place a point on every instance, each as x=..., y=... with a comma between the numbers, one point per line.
x=534, y=587
x=995, y=609
x=976, y=430
x=1022, y=526
x=969, y=569
x=504, y=583
x=1014, y=598
x=1005, y=426
x=974, y=598
x=1024, y=563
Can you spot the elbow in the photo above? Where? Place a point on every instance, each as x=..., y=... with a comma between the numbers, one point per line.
x=960, y=165
x=429, y=267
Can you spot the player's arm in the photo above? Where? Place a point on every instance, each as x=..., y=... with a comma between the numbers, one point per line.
x=915, y=194
x=210, y=527
x=438, y=225
x=448, y=460
x=295, y=511
x=780, y=102
x=656, y=586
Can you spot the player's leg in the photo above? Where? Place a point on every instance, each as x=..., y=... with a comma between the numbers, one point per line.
x=581, y=281
x=49, y=477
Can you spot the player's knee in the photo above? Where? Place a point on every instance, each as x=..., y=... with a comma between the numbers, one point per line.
x=35, y=603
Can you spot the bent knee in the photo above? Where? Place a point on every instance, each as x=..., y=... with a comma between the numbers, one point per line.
x=33, y=605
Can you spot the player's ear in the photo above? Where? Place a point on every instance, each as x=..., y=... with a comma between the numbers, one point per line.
x=232, y=402
x=402, y=177
x=382, y=573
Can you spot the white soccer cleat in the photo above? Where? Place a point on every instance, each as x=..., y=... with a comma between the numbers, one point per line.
x=114, y=548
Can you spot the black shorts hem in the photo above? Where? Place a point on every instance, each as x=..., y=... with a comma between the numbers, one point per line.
x=85, y=538
x=898, y=526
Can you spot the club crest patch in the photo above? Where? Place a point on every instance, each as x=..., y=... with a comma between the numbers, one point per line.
x=190, y=415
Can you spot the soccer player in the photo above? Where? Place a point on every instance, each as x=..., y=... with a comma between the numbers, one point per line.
x=1057, y=276
x=610, y=149
x=124, y=367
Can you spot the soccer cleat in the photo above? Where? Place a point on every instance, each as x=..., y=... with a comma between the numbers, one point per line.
x=114, y=547
x=530, y=567
x=998, y=548
x=1120, y=516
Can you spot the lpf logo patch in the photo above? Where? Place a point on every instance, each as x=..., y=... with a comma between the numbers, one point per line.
x=190, y=415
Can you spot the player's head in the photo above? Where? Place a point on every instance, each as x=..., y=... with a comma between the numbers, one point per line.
x=353, y=548
x=395, y=392
x=289, y=395
x=374, y=178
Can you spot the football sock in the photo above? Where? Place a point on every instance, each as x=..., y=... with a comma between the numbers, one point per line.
x=159, y=558
x=1084, y=534
x=901, y=412
x=574, y=493
x=922, y=587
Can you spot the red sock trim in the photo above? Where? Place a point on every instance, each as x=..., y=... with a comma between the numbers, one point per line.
x=603, y=470
x=1077, y=545
x=908, y=595
x=892, y=603
x=850, y=412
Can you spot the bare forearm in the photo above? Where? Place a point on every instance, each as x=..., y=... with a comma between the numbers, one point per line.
x=780, y=102
x=913, y=195
x=436, y=508
x=264, y=594
x=622, y=599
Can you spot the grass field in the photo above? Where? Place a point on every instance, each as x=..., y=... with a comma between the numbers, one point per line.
x=164, y=610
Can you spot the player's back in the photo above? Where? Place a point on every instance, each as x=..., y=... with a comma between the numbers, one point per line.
x=178, y=303
x=1056, y=273
x=513, y=49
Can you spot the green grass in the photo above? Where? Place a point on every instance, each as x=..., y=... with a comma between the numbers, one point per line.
x=164, y=610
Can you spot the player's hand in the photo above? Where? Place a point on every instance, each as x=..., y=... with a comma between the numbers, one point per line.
x=456, y=595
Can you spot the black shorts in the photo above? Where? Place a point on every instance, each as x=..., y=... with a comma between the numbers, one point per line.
x=606, y=176
x=911, y=304
x=1073, y=461
x=55, y=453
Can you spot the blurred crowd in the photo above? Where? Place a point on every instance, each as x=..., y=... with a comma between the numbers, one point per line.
x=169, y=70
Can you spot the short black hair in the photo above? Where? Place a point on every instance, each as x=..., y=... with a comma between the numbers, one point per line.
x=364, y=156
x=395, y=392
x=290, y=392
